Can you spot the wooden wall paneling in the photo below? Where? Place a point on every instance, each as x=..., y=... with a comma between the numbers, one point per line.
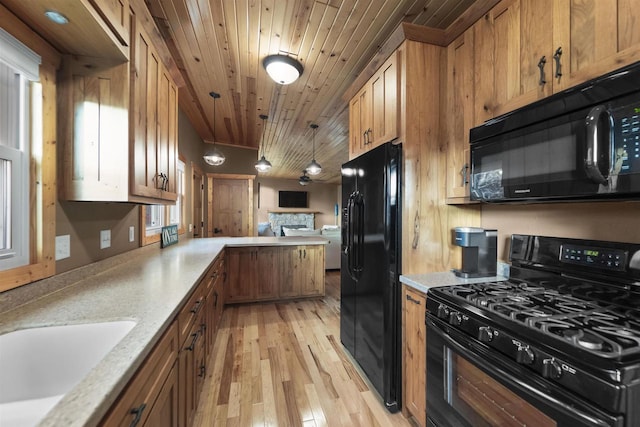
x=427, y=220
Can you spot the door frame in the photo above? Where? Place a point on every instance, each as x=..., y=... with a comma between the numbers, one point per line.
x=197, y=171
x=209, y=201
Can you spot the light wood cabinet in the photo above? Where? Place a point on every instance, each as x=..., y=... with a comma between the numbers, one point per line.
x=116, y=15
x=118, y=127
x=93, y=130
x=596, y=36
x=373, y=112
x=242, y=270
x=304, y=264
x=526, y=50
x=513, y=42
x=214, y=286
x=151, y=396
x=274, y=272
x=459, y=116
x=153, y=121
x=414, y=361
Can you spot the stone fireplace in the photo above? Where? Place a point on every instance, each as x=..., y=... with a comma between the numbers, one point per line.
x=293, y=219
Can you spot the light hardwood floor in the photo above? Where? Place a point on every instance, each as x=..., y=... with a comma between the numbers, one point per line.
x=282, y=364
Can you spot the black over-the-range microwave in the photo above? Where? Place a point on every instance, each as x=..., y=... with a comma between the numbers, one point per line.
x=579, y=144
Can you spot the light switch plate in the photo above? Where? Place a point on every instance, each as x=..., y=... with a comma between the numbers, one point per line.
x=105, y=239
x=63, y=247
x=190, y=228
x=132, y=235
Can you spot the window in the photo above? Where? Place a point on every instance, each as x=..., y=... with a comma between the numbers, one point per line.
x=27, y=156
x=18, y=67
x=157, y=216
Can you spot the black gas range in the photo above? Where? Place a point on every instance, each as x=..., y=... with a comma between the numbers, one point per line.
x=558, y=344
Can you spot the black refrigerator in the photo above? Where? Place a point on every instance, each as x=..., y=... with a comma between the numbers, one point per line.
x=370, y=267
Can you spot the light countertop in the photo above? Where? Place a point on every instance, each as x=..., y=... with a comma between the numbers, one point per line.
x=422, y=282
x=148, y=285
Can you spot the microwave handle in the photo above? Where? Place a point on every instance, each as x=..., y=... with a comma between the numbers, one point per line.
x=598, y=139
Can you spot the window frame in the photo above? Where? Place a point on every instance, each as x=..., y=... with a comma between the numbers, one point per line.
x=42, y=162
x=152, y=235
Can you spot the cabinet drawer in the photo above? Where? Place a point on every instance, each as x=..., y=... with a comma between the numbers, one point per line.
x=140, y=395
x=190, y=313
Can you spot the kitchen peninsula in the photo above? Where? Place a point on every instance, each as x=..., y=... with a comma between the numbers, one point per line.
x=150, y=286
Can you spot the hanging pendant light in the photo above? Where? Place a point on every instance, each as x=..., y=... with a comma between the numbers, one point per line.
x=314, y=167
x=263, y=164
x=214, y=157
x=304, y=179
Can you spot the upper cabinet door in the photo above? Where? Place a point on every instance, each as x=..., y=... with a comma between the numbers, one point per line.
x=459, y=115
x=116, y=15
x=596, y=36
x=384, y=103
x=513, y=44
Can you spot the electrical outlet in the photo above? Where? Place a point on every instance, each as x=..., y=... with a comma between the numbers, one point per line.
x=63, y=247
x=132, y=235
x=105, y=239
x=190, y=228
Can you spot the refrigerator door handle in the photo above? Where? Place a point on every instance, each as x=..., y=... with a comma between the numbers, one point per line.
x=349, y=246
x=358, y=258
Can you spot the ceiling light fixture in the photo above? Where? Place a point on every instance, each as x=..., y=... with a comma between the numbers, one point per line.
x=314, y=167
x=214, y=157
x=304, y=179
x=56, y=17
x=282, y=69
x=263, y=164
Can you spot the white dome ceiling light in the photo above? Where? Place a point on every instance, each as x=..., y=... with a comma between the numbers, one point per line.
x=282, y=69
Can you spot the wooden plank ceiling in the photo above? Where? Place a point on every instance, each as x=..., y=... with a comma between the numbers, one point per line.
x=219, y=46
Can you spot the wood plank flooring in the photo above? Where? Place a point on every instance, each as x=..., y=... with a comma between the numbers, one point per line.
x=282, y=364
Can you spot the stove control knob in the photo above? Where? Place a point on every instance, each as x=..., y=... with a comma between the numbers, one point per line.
x=525, y=355
x=455, y=318
x=485, y=333
x=551, y=369
x=443, y=311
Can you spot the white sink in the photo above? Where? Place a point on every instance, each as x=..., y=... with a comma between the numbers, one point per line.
x=39, y=366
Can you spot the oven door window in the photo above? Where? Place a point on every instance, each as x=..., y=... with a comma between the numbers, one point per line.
x=483, y=401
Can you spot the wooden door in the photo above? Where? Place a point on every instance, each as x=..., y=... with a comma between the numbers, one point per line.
x=355, y=130
x=230, y=203
x=459, y=114
x=197, y=196
x=596, y=36
x=414, y=353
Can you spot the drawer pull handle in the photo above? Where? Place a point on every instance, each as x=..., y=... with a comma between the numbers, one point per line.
x=413, y=300
x=192, y=346
x=138, y=413
x=196, y=306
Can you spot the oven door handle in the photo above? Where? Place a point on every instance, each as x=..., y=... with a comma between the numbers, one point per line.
x=492, y=365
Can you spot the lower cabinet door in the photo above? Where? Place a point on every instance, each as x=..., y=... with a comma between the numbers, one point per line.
x=414, y=354
x=165, y=411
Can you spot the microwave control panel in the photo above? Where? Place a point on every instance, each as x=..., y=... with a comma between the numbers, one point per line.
x=627, y=139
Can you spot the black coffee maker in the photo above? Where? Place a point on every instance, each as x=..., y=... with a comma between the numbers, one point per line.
x=479, y=251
